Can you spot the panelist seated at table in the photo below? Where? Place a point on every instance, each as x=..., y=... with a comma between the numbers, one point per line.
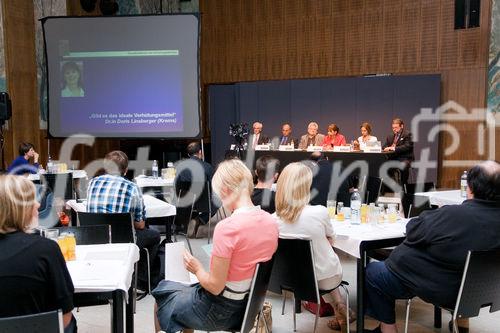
x=366, y=135
x=298, y=219
x=333, y=138
x=430, y=262
x=257, y=137
x=267, y=171
x=312, y=138
x=112, y=193
x=21, y=165
x=400, y=143
x=286, y=137
x=249, y=236
x=33, y=274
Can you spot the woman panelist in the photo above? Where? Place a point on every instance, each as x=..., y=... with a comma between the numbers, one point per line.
x=241, y=241
x=366, y=135
x=333, y=138
x=298, y=219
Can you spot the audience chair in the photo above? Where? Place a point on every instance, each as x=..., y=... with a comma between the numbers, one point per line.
x=46, y=322
x=372, y=189
x=89, y=235
x=479, y=287
x=411, y=188
x=256, y=297
x=414, y=205
x=182, y=218
x=61, y=184
x=299, y=279
x=201, y=202
x=122, y=225
x=47, y=215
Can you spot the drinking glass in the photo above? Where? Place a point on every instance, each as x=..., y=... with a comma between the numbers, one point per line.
x=331, y=206
x=340, y=212
x=51, y=234
x=392, y=213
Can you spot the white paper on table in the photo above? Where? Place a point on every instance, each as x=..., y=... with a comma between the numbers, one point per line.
x=174, y=264
x=108, y=255
x=101, y=272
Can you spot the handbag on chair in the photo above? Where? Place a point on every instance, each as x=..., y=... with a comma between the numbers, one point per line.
x=265, y=320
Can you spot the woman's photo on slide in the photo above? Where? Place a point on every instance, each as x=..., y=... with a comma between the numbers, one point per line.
x=72, y=82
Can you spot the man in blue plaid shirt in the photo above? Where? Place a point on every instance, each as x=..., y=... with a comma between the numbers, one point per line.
x=112, y=193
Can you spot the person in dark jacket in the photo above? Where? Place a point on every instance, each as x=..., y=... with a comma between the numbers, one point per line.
x=400, y=145
x=267, y=171
x=430, y=262
x=21, y=165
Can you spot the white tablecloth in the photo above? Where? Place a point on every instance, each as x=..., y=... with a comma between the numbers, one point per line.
x=103, y=267
x=441, y=198
x=153, y=182
x=77, y=174
x=154, y=207
x=349, y=237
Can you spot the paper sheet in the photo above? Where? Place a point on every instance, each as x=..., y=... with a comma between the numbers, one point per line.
x=174, y=264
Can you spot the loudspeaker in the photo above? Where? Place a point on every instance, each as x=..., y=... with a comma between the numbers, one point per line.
x=108, y=7
x=460, y=14
x=474, y=13
x=467, y=13
x=5, y=107
x=88, y=5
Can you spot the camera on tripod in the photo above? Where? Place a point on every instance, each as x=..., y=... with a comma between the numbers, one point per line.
x=5, y=108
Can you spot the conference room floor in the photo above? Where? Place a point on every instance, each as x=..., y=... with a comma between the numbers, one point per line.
x=96, y=319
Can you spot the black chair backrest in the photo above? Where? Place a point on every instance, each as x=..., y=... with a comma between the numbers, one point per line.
x=373, y=187
x=414, y=205
x=91, y=234
x=199, y=194
x=122, y=226
x=257, y=294
x=293, y=270
x=479, y=287
x=46, y=322
x=411, y=188
x=61, y=184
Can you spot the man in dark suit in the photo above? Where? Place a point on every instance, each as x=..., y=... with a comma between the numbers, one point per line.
x=400, y=145
x=286, y=136
x=257, y=138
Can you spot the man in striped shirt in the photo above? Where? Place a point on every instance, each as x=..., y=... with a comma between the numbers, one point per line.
x=113, y=193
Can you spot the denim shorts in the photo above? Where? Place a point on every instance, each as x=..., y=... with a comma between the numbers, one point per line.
x=181, y=306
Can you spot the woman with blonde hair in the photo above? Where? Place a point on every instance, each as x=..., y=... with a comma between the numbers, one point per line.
x=33, y=274
x=241, y=241
x=298, y=219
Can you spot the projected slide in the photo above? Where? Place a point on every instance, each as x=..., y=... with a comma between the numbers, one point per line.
x=123, y=76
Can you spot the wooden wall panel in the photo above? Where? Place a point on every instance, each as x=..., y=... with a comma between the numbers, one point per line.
x=328, y=38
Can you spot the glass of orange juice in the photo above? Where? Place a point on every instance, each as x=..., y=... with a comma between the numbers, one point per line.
x=340, y=213
x=63, y=245
x=71, y=244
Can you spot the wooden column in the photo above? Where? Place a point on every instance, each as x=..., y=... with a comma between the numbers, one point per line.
x=19, y=41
